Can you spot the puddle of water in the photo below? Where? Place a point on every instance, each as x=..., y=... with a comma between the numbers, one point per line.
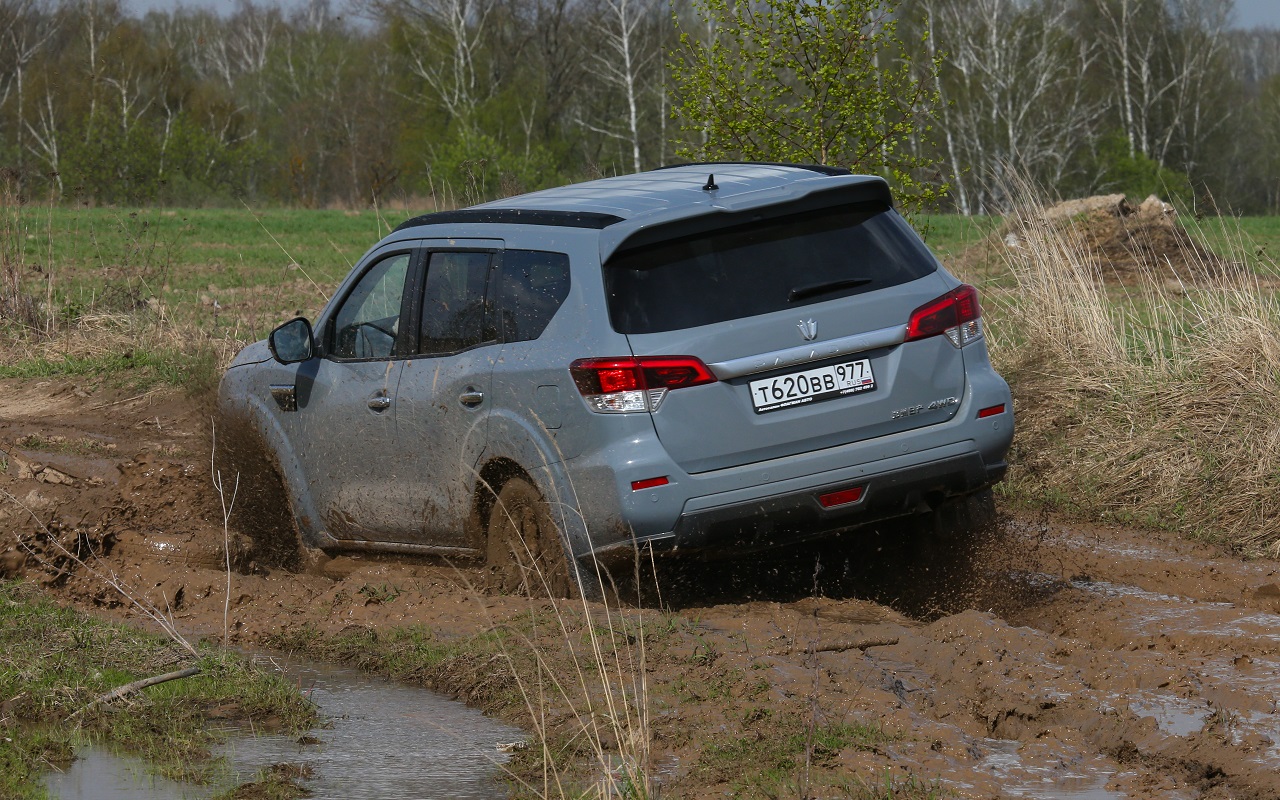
x=1051, y=779
x=1174, y=715
x=100, y=775
x=1196, y=617
x=383, y=741
x=387, y=741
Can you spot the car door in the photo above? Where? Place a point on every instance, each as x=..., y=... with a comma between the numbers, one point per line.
x=444, y=396
x=344, y=426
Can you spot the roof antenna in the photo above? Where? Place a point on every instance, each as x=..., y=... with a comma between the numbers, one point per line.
x=711, y=184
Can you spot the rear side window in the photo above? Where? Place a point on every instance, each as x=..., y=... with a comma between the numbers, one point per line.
x=762, y=267
x=531, y=288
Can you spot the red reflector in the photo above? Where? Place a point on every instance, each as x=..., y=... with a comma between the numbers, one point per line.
x=649, y=483
x=956, y=307
x=991, y=411
x=841, y=498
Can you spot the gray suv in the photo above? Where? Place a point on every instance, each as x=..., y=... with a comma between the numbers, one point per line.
x=715, y=358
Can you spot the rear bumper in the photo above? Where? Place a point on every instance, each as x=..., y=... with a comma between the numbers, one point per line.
x=797, y=516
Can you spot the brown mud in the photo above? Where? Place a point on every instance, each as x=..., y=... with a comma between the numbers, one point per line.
x=1053, y=660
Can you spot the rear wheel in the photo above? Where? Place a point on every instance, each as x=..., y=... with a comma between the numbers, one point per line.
x=523, y=551
x=949, y=558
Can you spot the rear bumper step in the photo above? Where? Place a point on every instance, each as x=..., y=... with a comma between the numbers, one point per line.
x=799, y=516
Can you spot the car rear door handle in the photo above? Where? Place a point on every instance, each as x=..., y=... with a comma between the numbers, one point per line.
x=471, y=398
x=380, y=402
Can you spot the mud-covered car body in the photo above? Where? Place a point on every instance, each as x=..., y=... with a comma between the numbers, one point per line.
x=713, y=358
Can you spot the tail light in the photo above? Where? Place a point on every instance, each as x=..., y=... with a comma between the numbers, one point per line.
x=956, y=314
x=629, y=384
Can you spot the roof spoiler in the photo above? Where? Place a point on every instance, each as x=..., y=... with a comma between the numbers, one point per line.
x=797, y=198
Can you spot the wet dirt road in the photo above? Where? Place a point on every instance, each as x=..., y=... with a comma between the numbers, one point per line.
x=1062, y=661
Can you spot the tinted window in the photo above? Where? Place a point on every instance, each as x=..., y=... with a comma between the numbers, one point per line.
x=453, y=307
x=532, y=286
x=367, y=323
x=762, y=267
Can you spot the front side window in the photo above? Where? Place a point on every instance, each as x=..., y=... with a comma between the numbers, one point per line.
x=531, y=288
x=454, y=315
x=368, y=322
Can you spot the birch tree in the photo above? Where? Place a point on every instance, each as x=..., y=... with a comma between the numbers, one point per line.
x=1160, y=59
x=1015, y=101
x=626, y=52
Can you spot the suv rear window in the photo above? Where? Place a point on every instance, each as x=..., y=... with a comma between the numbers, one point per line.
x=761, y=267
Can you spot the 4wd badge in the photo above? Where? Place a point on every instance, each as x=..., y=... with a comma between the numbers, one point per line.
x=808, y=329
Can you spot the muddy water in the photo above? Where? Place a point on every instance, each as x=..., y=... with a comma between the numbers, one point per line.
x=380, y=740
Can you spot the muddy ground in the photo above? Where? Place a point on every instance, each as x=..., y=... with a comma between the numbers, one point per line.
x=1060, y=661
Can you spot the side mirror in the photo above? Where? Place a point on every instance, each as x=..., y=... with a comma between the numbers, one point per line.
x=292, y=342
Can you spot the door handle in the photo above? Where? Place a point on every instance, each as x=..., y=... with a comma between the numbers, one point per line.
x=471, y=398
x=380, y=402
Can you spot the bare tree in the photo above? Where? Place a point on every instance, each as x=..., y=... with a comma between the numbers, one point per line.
x=625, y=53
x=1014, y=92
x=1160, y=58
x=446, y=38
x=28, y=27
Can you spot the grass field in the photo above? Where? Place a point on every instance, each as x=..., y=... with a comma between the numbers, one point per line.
x=277, y=261
x=262, y=266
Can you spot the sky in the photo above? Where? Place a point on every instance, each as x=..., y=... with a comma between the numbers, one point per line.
x=1249, y=13
x=1252, y=13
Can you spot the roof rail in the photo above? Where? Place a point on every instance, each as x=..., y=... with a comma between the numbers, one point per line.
x=515, y=216
x=823, y=169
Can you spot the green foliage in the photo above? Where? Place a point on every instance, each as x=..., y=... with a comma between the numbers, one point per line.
x=810, y=81
x=472, y=166
x=1137, y=175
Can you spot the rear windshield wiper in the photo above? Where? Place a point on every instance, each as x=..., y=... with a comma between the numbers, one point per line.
x=803, y=292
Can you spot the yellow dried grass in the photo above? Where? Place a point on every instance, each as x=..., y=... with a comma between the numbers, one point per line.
x=1157, y=404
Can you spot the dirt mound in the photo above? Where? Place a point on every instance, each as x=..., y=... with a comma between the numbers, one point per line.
x=1119, y=240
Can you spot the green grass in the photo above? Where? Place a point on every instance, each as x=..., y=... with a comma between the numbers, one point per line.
x=948, y=235
x=54, y=661
x=769, y=759
x=236, y=247
x=260, y=267
x=135, y=368
x=1255, y=238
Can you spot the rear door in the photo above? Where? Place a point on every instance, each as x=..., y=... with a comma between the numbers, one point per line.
x=802, y=318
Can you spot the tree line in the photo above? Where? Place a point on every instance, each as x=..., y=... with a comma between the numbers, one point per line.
x=458, y=101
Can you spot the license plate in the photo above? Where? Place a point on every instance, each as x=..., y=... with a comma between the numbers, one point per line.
x=812, y=385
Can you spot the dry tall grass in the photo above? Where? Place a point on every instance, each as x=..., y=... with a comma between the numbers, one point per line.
x=1153, y=402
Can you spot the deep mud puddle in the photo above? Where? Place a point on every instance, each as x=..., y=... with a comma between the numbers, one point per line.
x=379, y=741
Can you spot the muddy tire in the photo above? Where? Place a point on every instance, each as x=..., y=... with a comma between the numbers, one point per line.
x=523, y=550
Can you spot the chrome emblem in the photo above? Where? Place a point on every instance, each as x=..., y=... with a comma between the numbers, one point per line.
x=808, y=329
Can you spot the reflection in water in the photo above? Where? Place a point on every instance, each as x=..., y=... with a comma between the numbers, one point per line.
x=382, y=741
x=386, y=742
x=98, y=775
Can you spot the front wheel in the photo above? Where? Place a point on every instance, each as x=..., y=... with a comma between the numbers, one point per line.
x=523, y=550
